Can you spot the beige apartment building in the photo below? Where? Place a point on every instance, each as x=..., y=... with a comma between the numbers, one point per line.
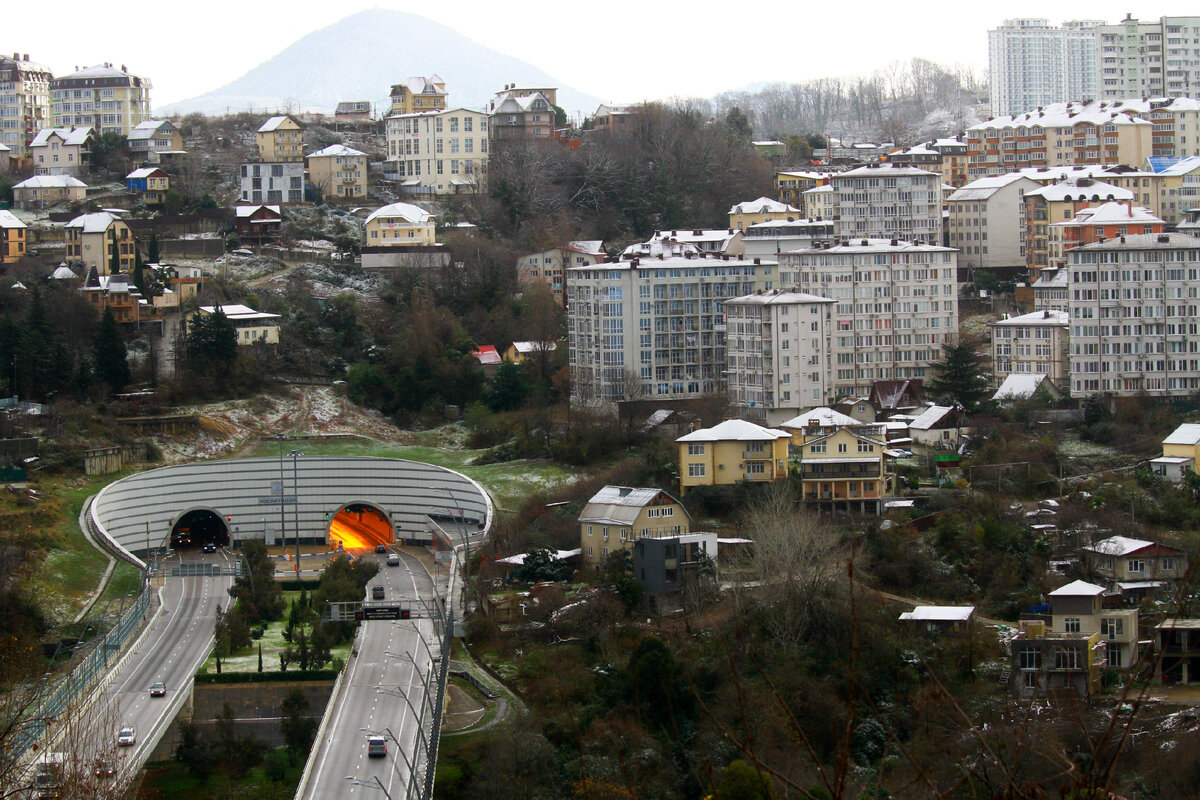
x=152, y=137
x=91, y=239
x=522, y=114
x=280, y=140
x=439, y=152
x=548, y=267
x=887, y=201
x=101, y=97
x=24, y=102
x=1031, y=344
x=764, y=209
x=62, y=151
x=988, y=222
x=338, y=171
x=400, y=225
x=1060, y=202
x=418, y=95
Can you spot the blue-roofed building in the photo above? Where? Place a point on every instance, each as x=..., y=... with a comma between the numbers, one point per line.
x=150, y=184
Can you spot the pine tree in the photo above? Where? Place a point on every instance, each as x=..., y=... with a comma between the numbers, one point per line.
x=960, y=378
x=211, y=341
x=109, y=354
x=114, y=260
x=152, y=254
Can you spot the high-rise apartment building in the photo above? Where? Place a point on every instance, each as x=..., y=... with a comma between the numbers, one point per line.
x=1133, y=315
x=1034, y=64
x=886, y=201
x=654, y=328
x=24, y=102
x=895, y=304
x=102, y=97
x=1149, y=59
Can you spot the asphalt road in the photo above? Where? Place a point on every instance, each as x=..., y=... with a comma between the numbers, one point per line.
x=383, y=661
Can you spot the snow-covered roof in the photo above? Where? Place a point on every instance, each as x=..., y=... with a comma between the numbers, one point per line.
x=9, y=220
x=777, y=297
x=274, y=122
x=1112, y=214
x=239, y=312
x=825, y=417
x=50, y=182
x=1081, y=189
x=763, y=205
x=983, y=188
x=1118, y=546
x=1045, y=317
x=1064, y=115
x=1053, y=279
x=620, y=505
x=406, y=211
x=674, y=255
x=825, y=187
x=506, y=102
x=593, y=247
x=5, y=148
x=148, y=129
x=1078, y=589
x=557, y=555
x=97, y=222
x=1142, y=241
x=420, y=85
x=929, y=417
x=939, y=614
x=248, y=211
x=1188, y=433
x=879, y=170
x=872, y=245
x=144, y=172
x=525, y=348
x=692, y=235
x=738, y=430
x=1062, y=173
x=70, y=136
x=487, y=355
x=1181, y=166
x=336, y=150
x=97, y=71
x=63, y=273
x=1018, y=386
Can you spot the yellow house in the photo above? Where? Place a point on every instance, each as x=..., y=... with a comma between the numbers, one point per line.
x=93, y=238
x=518, y=352
x=616, y=516
x=149, y=184
x=338, y=171
x=12, y=238
x=418, y=94
x=251, y=326
x=400, y=225
x=1180, y=452
x=764, y=209
x=822, y=421
x=845, y=469
x=730, y=452
x=791, y=186
x=281, y=139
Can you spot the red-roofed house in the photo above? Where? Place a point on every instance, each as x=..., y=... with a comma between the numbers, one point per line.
x=488, y=357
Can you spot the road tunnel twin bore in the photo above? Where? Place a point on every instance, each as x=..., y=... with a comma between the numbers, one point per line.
x=199, y=527
x=360, y=526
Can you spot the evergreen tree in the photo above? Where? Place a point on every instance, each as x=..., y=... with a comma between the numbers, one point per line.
x=114, y=260
x=109, y=354
x=41, y=365
x=152, y=254
x=211, y=341
x=960, y=378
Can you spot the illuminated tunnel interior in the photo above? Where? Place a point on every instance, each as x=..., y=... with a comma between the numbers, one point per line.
x=199, y=527
x=359, y=526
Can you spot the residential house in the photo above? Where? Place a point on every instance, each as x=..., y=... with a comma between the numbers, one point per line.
x=488, y=358
x=896, y=397
x=101, y=97
x=896, y=302
x=718, y=241
x=438, y=153
x=791, y=186
x=616, y=516
x=764, y=209
x=1180, y=188
x=1133, y=566
x=353, y=111
x=25, y=109
x=817, y=423
x=101, y=240
x=417, y=94
x=731, y=452
x=819, y=202
x=1017, y=387
x=149, y=184
x=252, y=326
x=860, y=408
x=281, y=140
x=1031, y=344
x=62, y=151
x=6, y=158
x=1190, y=223
x=12, y=238
x=400, y=225
x=653, y=328
x=768, y=240
x=845, y=469
x=548, y=267
x=41, y=191
x=151, y=138
x=613, y=118
x=1105, y=221
x=987, y=223
x=1131, y=328
x=947, y=157
x=1181, y=449
x=116, y=292
x=276, y=183
x=257, y=223
x=1078, y=607
x=339, y=172
x=522, y=114
x=666, y=566
x=777, y=354
x=889, y=202
x=940, y=619
x=1060, y=202
x=520, y=352
x=1177, y=642
x=937, y=426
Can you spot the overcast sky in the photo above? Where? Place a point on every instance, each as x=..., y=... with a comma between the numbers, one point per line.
x=620, y=50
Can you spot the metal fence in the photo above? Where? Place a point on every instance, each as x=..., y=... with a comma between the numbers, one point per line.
x=75, y=686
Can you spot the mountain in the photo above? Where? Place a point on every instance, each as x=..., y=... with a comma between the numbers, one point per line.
x=361, y=56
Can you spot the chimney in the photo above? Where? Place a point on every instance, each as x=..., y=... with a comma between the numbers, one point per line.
x=1163, y=238
x=661, y=256
x=1045, y=315
x=757, y=260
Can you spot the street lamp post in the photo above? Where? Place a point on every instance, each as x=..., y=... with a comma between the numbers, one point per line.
x=377, y=785
x=296, y=507
x=282, y=493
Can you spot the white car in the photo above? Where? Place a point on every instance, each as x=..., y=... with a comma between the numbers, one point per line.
x=127, y=736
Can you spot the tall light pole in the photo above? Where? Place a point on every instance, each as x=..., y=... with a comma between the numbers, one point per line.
x=282, y=494
x=296, y=507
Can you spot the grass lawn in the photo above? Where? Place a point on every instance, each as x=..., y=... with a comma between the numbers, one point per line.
x=168, y=779
x=273, y=644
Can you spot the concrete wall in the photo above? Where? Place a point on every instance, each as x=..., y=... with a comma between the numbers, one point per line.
x=112, y=459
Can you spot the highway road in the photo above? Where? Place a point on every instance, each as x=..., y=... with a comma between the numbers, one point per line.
x=389, y=657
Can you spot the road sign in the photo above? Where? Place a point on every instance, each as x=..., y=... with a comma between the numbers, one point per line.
x=380, y=612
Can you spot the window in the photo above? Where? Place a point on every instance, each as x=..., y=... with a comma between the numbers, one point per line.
x=1137, y=565
x=695, y=470
x=1168, y=564
x=695, y=449
x=756, y=468
x=1113, y=652
x=1112, y=627
x=817, y=447
x=842, y=447
x=1067, y=658
x=1030, y=658
x=1071, y=624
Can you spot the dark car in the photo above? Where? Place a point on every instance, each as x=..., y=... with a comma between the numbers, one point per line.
x=209, y=547
x=158, y=689
x=381, y=548
x=376, y=592
x=105, y=768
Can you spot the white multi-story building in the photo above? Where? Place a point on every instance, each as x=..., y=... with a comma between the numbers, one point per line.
x=1135, y=323
x=654, y=328
x=886, y=201
x=273, y=183
x=101, y=97
x=769, y=239
x=439, y=152
x=777, y=351
x=1149, y=59
x=1034, y=64
x=24, y=102
x=1031, y=344
x=987, y=221
x=896, y=303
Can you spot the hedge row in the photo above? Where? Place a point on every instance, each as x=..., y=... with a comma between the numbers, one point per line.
x=269, y=677
x=294, y=585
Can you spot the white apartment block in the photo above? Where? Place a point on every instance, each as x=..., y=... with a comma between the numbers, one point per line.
x=769, y=239
x=1135, y=318
x=654, y=328
x=1033, y=63
x=886, y=201
x=439, y=152
x=1031, y=344
x=272, y=183
x=24, y=102
x=777, y=354
x=1149, y=59
x=987, y=221
x=896, y=303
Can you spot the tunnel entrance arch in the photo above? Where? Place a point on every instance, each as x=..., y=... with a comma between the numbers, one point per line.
x=197, y=527
x=360, y=525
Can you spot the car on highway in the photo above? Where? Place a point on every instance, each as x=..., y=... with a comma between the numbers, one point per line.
x=376, y=747
x=381, y=548
x=127, y=736
x=158, y=689
x=209, y=547
x=104, y=768
x=376, y=592
x=393, y=559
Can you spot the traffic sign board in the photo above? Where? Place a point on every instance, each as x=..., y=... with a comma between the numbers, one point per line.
x=381, y=612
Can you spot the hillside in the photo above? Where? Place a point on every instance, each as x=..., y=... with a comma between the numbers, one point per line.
x=359, y=57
